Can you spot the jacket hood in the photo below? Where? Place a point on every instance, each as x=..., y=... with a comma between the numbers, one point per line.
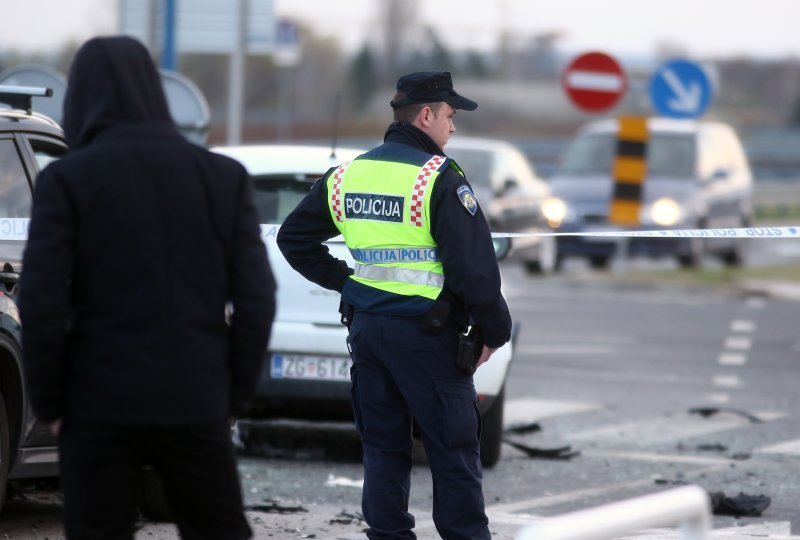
x=112, y=81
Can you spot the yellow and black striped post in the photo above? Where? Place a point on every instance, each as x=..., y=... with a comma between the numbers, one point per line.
x=629, y=170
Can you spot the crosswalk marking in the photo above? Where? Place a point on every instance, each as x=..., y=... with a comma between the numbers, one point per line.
x=718, y=397
x=738, y=343
x=742, y=325
x=732, y=359
x=726, y=381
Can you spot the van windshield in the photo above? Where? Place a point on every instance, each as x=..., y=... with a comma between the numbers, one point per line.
x=668, y=155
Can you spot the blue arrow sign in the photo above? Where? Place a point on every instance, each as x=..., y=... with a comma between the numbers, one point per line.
x=680, y=89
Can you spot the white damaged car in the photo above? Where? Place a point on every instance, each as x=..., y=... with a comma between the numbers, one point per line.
x=307, y=372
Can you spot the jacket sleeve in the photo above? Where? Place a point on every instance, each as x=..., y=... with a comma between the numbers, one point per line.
x=252, y=295
x=301, y=240
x=44, y=295
x=470, y=264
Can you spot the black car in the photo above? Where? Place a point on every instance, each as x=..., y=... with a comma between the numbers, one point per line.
x=28, y=142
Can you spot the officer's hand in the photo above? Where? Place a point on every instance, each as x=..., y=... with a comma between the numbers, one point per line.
x=485, y=354
x=55, y=426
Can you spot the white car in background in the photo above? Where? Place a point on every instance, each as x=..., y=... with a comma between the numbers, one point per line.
x=307, y=372
x=512, y=197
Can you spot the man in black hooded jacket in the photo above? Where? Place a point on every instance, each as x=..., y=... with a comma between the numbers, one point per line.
x=137, y=242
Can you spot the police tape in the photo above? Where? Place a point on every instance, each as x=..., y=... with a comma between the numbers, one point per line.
x=17, y=229
x=743, y=232
x=270, y=231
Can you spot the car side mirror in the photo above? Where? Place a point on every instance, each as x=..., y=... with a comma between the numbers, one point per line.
x=510, y=185
x=717, y=176
x=502, y=247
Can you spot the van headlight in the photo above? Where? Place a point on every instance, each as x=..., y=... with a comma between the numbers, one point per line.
x=554, y=211
x=665, y=212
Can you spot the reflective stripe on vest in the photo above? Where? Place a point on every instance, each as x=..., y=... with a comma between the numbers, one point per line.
x=401, y=275
x=387, y=255
x=418, y=195
x=336, y=191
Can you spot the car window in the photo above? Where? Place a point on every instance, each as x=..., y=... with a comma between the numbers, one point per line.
x=277, y=195
x=671, y=155
x=15, y=193
x=476, y=164
x=589, y=155
x=46, y=154
x=667, y=155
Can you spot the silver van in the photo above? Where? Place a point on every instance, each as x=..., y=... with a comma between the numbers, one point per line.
x=697, y=177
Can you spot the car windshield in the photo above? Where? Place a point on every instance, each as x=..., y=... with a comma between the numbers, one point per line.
x=277, y=195
x=668, y=155
x=476, y=164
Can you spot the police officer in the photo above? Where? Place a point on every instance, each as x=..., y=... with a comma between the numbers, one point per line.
x=425, y=269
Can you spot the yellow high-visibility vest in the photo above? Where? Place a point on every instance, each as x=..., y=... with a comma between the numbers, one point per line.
x=382, y=209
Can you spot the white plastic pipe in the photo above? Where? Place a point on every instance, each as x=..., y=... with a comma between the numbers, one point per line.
x=688, y=507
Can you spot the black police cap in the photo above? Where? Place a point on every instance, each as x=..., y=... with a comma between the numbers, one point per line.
x=430, y=87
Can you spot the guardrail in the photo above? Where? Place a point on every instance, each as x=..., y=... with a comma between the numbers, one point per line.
x=688, y=507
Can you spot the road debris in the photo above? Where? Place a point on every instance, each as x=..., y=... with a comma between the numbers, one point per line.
x=523, y=429
x=346, y=518
x=740, y=505
x=707, y=412
x=561, y=452
x=277, y=507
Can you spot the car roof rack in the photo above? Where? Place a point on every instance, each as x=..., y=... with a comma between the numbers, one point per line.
x=21, y=97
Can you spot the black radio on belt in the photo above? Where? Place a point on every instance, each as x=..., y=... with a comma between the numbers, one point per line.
x=470, y=346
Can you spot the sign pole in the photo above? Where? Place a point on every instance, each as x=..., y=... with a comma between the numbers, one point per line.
x=168, y=55
x=236, y=76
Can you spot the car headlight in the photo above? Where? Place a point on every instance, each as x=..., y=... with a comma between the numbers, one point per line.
x=554, y=211
x=665, y=212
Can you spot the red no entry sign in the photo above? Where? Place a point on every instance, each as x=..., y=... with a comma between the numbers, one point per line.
x=594, y=81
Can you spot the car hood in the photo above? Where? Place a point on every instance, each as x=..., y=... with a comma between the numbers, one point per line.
x=599, y=188
x=299, y=300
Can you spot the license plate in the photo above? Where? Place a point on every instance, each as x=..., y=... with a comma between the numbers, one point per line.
x=319, y=368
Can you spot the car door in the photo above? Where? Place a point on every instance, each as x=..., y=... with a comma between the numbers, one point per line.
x=32, y=154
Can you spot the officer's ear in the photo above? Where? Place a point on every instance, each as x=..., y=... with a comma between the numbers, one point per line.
x=425, y=116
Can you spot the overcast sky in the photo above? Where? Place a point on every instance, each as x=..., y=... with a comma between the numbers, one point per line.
x=705, y=28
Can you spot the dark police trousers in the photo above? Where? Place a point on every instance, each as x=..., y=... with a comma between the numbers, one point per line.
x=101, y=466
x=401, y=370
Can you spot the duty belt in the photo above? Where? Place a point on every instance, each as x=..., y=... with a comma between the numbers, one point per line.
x=402, y=275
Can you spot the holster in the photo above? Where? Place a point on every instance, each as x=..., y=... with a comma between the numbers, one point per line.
x=470, y=346
x=346, y=310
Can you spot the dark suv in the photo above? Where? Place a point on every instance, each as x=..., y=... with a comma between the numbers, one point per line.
x=28, y=142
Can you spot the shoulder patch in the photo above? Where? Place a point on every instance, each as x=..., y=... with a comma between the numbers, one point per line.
x=467, y=199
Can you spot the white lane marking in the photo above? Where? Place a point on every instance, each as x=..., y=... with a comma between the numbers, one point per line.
x=577, y=495
x=657, y=458
x=666, y=429
x=732, y=359
x=738, y=343
x=727, y=381
x=718, y=398
x=517, y=411
x=567, y=349
x=788, y=447
x=742, y=325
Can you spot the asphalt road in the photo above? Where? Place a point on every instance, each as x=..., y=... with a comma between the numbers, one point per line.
x=638, y=387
